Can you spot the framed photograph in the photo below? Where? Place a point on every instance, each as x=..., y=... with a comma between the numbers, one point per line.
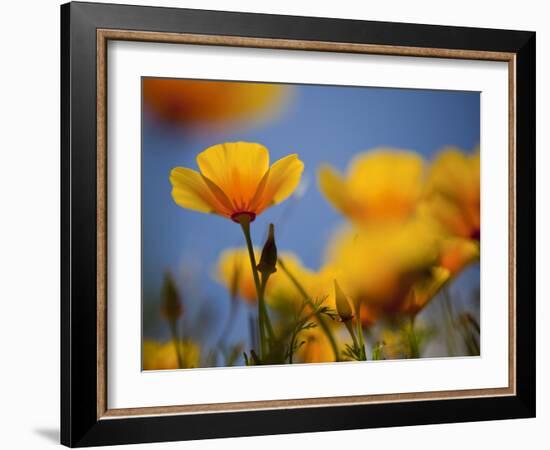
x=276, y=224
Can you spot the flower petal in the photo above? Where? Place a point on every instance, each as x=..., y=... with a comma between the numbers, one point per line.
x=189, y=190
x=425, y=290
x=234, y=266
x=334, y=188
x=387, y=183
x=457, y=253
x=236, y=168
x=281, y=180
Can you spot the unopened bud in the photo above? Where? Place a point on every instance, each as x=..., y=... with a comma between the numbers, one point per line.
x=171, y=307
x=268, y=259
x=342, y=304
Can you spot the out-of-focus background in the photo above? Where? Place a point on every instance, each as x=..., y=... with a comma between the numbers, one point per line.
x=322, y=124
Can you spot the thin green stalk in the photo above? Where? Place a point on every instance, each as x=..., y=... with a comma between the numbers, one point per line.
x=349, y=327
x=263, y=284
x=307, y=298
x=360, y=332
x=175, y=339
x=263, y=318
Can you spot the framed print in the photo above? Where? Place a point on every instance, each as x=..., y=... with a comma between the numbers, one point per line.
x=276, y=224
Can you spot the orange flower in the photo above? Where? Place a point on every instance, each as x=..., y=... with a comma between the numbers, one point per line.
x=381, y=186
x=233, y=270
x=457, y=253
x=424, y=289
x=316, y=347
x=235, y=179
x=379, y=267
x=210, y=102
x=163, y=356
x=453, y=193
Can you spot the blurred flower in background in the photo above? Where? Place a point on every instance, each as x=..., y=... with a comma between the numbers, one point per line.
x=316, y=347
x=452, y=201
x=378, y=266
x=381, y=186
x=453, y=193
x=233, y=271
x=163, y=355
x=215, y=105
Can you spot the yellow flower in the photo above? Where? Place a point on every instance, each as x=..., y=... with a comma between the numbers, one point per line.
x=453, y=193
x=316, y=347
x=235, y=179
x=378, y=266
x=210, y=102
x=283, y=292
x=383, y=185
x=233, y=270
x=162, y=356
x=457, y=253
x=425, y=288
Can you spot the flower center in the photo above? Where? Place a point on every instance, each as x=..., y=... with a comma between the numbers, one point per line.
x=235, y=217
x=475, y=234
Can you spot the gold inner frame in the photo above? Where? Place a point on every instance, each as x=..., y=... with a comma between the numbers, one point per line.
x=103, y=36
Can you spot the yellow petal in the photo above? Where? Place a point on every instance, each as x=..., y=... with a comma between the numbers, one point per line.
x=387, y=183
x=163, y=356
x=426, y=289
x=234, y=265
x=189, y=190
x=333, y=186
x=280, y=181
x=454, y=173
x=212, y=103
x=316, y=348
x=457, y=253
x=236, y=168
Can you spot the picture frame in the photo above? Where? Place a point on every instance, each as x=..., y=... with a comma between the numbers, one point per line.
x=86, y=29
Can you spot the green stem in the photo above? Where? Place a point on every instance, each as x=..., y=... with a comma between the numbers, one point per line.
x=307, y=298
x=360, y=332
x=267, y=321
x=263, y=318
x=175, y=339
x=349, y=327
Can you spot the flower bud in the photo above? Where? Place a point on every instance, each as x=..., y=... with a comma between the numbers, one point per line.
x=268, y=259
x=171, y=307
x=342, y=304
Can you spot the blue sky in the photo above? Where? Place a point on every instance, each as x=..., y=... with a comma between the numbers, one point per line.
x=323, y=124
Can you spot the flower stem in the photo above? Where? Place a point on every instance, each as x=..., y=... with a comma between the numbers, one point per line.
x=175, y=339
x=349, y=326
x=360, y=332
x=307, y=299
x=263, y=318
x=267, y=321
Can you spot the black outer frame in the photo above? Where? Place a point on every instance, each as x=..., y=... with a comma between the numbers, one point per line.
x=79, y=423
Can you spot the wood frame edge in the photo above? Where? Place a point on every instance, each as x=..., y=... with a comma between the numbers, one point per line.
x=103, y=35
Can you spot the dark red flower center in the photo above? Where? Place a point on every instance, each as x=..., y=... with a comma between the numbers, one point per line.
x=235, y=216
